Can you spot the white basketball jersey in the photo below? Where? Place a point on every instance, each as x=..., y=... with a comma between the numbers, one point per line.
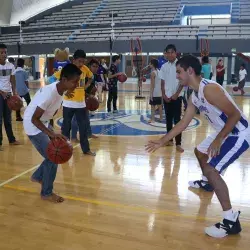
x=216, y=117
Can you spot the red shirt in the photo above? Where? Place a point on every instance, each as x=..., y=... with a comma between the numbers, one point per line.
x=222, y=72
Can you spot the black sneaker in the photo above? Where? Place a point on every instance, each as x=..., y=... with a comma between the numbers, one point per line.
x=201, y=184
x=224, y=228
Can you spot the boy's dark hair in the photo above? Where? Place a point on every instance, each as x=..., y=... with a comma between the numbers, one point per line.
x=115, y=58
x=243, y=65
x=79, y=54
x=171, y=46
x=69, y=71
x=3, y=46
x=155, y=63
x=11, y=60
x=190, y=61
x=20, y=62
x=205, y=59
x=93, y=61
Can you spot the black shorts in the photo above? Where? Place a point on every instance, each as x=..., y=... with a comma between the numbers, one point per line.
x=156, y=101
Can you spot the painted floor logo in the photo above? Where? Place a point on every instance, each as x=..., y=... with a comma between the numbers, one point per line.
x=129, y=123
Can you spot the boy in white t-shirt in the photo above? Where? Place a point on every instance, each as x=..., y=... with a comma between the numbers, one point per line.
x=242, y=78
x=42, y=108
x=7, y=87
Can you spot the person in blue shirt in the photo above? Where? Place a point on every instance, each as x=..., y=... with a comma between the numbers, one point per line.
x=22, y=85
x=59, y=65
x=206, y=67
x=162, y=60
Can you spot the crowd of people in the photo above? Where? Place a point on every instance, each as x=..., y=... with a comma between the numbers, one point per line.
x=70, y=85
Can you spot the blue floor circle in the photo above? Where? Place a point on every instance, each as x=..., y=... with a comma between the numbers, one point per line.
x=129, y=123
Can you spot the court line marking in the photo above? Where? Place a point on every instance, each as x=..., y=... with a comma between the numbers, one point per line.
x=19, y=175
x=127, y=207
x=25, y=172
x=30, y=169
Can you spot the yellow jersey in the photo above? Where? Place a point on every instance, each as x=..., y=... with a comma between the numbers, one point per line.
x=79, y=93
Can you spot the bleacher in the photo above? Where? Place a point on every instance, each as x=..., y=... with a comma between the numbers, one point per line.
x=166, y=32
x=96, y=13
x=149, y=20
x=140, y=11
x=244, y=11
x=66, y=18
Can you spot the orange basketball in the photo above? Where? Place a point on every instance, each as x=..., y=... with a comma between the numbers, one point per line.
x=15, y=102
x=144, y=79
x=92, y=103
x=235, y=89
x=59, y=151
x=122, y=78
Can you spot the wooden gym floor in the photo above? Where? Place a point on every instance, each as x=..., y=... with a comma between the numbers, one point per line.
x=123, y=198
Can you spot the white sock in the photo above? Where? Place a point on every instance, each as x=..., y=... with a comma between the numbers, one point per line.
x=204, y=178
x=229, y=215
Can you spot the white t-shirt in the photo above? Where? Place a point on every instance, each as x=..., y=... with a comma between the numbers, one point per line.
x=48, y=99
x=157, y=89
x=73, y=104
x=242, y=74
x=168, y=74
x=6, y=71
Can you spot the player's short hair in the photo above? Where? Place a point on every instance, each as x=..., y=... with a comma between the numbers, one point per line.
x=190, y=61
x=79, y=54
x=115, y=58
x=205, y=59
x=243, y=65
x=93, y=61
x=69, y=71
x=20, y=62
x=155, y=63
x=3, y=46
x=170, y=46
x=11, y=60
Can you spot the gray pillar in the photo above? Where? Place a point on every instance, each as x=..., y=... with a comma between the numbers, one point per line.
x=229, y=69
x=233, y=65
x=147, y=63
x=123, y=63
x=5, y=11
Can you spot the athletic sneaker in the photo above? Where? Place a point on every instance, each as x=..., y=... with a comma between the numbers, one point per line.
x=201, y=184
x=224, y=228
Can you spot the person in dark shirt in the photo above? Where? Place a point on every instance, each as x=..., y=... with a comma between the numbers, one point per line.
x=112, y=75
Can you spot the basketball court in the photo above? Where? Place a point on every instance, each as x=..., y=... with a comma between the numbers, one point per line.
x=124, y=198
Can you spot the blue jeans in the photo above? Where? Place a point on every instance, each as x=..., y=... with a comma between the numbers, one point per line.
x=46, y=173
x=74, y=127
x=82, y=122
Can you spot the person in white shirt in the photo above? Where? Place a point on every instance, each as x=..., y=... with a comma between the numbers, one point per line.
x=220, y=149
x=171, y=90
x=37, y=115
x=155, y=90
x=7, y=88
x=242, y=78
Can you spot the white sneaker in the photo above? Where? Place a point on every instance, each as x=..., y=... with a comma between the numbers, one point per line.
x=224, y=228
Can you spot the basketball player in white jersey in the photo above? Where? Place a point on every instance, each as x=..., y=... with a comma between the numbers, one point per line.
x=220, y=149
